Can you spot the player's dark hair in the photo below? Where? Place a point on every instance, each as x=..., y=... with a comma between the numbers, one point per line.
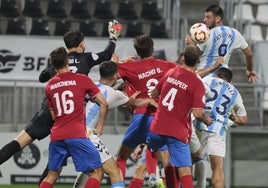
x=108, y=69
x=191, y=55
x=179, y=61
x=216, y=10
x=72, y=39
x=144, y=46
x=59, y=57
x=225, y=74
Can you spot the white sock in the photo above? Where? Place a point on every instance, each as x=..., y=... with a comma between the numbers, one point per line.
x=200, y=172
x=80, y=180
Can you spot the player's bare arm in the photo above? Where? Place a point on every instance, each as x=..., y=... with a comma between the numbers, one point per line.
x=206, y=71
x=252, y=76
x=141, y=102
x=99, y=98
x=235, y=117
x=242, y=120
x=200, y=115
x=188, y=40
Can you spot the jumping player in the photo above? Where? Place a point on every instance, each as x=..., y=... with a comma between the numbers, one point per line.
x=143, y=74
x=40, y=124
x=222, y=42
x=114, y=98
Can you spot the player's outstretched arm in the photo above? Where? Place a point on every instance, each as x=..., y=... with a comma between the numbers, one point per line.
x=252, y=76
x=114, y=29
x=208, y=70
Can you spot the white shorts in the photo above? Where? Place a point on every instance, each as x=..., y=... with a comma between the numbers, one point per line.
x=102, y=149
x=213, y=144
x=195, y=144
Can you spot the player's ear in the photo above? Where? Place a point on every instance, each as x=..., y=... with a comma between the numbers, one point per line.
x=115, y=76
x=82, y=45
x=217, y=19
x=198, y=60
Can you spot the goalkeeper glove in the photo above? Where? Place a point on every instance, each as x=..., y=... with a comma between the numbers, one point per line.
x=114, y=29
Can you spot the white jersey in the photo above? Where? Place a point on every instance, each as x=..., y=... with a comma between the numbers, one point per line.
x=221, y=98
x=114, y=99
x=222, y=41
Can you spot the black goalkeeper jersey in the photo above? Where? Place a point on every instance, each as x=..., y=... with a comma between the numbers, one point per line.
x=81, y=62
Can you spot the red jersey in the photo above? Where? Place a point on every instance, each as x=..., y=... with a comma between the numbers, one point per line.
x=144, y=75
x=180, y=92
x=65, y=94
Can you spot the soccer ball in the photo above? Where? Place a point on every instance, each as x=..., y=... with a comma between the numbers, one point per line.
x=199, y=32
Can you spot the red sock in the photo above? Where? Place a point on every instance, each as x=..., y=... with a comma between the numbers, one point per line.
x=45, y=184
x=135, y=183
x=187, y=181
x=151, y=161
x=121, y=163
x=171, y=177
x=92, y=182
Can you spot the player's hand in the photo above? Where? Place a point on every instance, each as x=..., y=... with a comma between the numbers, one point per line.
x=209, y=121
x=114, y=29
x=129, y=59
x=120, y=87
x=216, y=65
x=153, y=103
x=232, y=117
x=188, y=40
x=221, y=60
x=138, y=151
x=252, y=76
x=134, y=95
x=98, y=130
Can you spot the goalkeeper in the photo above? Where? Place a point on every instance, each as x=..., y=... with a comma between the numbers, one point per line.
x=39, y=126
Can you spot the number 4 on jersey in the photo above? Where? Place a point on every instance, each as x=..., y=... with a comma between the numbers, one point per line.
x=168, y=100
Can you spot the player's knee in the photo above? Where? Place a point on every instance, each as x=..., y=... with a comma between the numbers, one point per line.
x=97, y=173
x=124, y=152
x=141, y=170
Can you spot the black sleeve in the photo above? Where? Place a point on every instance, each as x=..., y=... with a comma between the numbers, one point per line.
x=107, y=53
x=47, y=73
